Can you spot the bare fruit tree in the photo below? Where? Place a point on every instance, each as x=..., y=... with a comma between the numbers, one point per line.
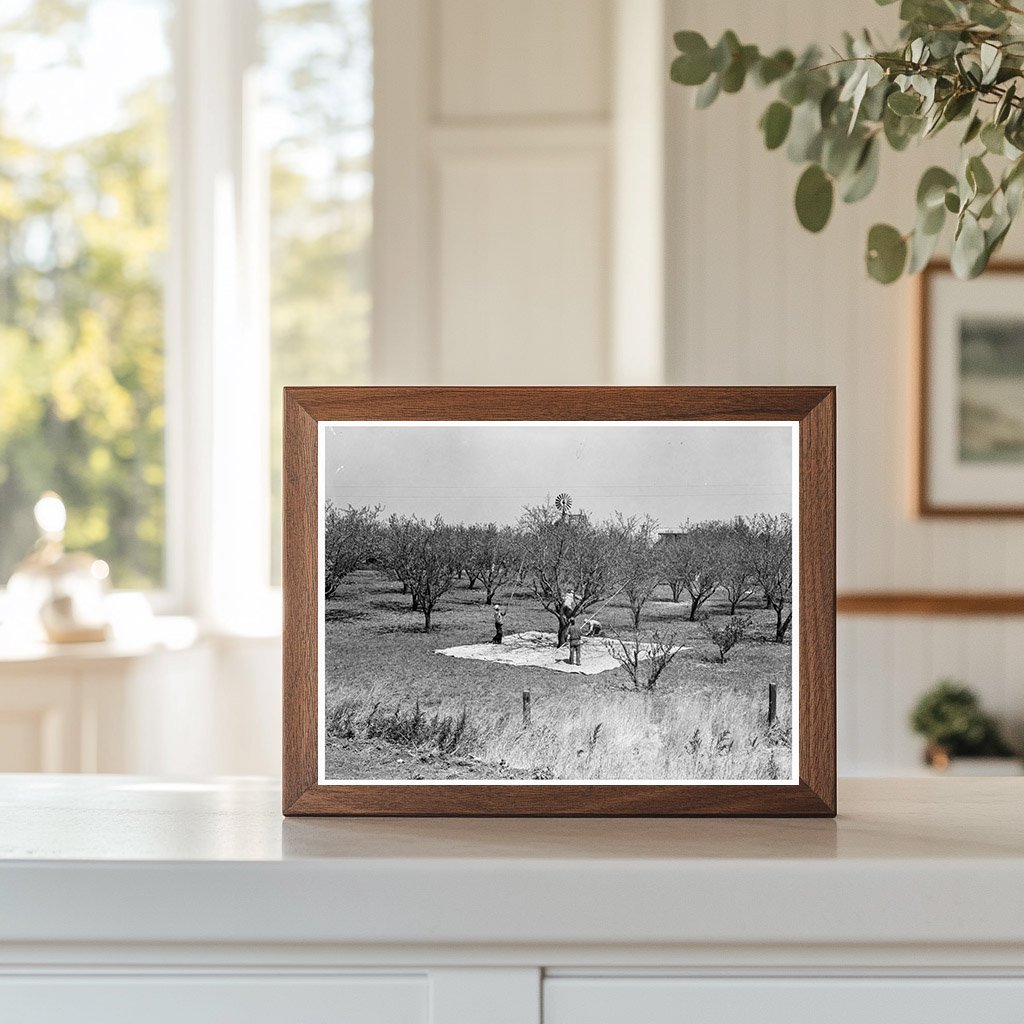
x=499, y=559
x=350, y=540
x=640, y=570
x=771, y=562
x=433, y=563
x=569, y=563
x=644, y=659
x=738, y=581
x=693, y=560
x=467, y=545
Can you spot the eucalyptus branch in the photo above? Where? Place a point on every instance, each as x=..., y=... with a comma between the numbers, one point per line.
x=955, y=61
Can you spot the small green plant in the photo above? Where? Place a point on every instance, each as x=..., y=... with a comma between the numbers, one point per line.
x=956, y=61
x=950, y=717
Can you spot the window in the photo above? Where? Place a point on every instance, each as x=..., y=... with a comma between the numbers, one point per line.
x=317, y=117
x=83, y=236
x=239, y=217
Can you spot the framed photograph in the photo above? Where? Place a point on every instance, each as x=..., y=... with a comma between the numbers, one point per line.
x=559, y=601
x=970, y=450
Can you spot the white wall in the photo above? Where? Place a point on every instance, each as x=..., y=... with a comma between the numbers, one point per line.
x=754, y=299
x=505, y=130
x=514, y=179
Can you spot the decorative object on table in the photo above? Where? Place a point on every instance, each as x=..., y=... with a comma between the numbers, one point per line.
x=957, y=64
x=54, y=593
x=950, y=717
x=415, y=517
x=970, y=450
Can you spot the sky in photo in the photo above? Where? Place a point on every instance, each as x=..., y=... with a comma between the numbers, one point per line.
x=488, y=472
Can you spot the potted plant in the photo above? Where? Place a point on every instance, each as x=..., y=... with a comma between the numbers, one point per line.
x=950, y=718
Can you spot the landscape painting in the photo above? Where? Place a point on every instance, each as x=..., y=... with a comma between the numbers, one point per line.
x=991, y=389
x=560, y=601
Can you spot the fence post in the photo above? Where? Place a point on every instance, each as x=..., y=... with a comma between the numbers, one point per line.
x=526, y=708
x=772, y=696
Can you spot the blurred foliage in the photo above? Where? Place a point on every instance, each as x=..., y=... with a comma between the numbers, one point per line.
x=82, y=231
x=956, y=62
x=950, y=716
x=318, y=107
x=83, y=236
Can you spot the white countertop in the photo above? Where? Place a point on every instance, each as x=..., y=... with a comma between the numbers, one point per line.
x=121, y=859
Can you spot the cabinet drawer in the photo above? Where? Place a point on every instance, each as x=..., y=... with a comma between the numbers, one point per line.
x=782, y=1001
x=202, y=999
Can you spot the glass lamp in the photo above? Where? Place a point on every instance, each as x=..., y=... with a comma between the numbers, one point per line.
x=54, y=595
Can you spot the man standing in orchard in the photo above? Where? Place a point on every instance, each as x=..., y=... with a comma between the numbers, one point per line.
x=575, y=642
x=499, y=625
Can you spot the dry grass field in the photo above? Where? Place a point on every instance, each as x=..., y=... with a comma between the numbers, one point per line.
x=397, y=710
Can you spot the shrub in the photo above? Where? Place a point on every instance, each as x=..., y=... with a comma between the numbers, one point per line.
x=406, y=727
x=949, y=716
x=725, y=634
x=644, y=660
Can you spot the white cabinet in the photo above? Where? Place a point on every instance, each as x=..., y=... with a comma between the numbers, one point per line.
x=132, y=899
x=830, y=1000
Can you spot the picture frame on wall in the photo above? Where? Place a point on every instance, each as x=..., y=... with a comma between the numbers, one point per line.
x=559, y=601
x=970, y=383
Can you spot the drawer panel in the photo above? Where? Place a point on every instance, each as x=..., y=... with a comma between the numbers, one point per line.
x=782, y=1001
x=202, y=999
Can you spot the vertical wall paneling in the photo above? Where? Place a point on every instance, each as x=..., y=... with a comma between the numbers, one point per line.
x=494, y=197
x=638, y=218
x=751, y=298
x=404, y=342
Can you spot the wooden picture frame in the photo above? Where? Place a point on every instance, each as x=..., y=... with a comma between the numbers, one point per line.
x=811, y=410
x=928, y=372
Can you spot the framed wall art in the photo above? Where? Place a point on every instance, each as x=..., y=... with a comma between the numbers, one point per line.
x=970, y=444
x=559, y=601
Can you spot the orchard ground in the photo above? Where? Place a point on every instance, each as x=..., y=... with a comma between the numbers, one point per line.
x=395, y=709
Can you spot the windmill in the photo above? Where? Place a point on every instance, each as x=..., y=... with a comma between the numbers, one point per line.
x=563, y=503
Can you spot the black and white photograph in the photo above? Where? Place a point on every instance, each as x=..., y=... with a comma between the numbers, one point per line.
x=560, y=601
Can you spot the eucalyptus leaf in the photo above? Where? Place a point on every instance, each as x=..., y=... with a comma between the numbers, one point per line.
x=840, y=152
x=932, y=221
x=957, y=106
x=707, y=93
x=991, y=60
x=865, y=173
x=922, y=248
x=931, y=190
x=973, y=130
x=987, y=15
x=689, y=70
x=904, y=103
x=725, y=50
x=978, y=176
x=771, y=69
x=993, y=138
x=814, y=195
x=886, y=253
x=794, y=88
x=805, y=133
x=775, y=124
x=968, y=248
x=735, y=74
